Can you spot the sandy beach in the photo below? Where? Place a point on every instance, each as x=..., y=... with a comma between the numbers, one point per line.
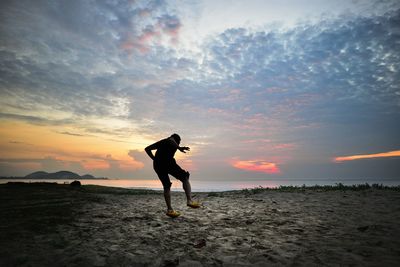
x=59, y=225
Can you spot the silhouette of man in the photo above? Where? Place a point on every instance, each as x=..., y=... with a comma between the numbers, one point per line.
x=165, y=164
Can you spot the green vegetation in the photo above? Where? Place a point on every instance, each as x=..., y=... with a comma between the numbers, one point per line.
x=321, y=188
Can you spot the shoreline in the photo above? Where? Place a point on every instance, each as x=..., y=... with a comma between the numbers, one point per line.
x=254, y=190
x=212, y=186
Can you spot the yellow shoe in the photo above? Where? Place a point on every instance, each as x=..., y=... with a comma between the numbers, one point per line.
x=173, y=213
x=194, y=204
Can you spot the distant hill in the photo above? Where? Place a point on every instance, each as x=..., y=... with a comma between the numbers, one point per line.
x=88, y=176
x=59, y=175
x=62, y=175
x=35, y=175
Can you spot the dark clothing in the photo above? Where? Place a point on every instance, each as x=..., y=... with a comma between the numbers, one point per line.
x=163, y=169
x=166, y=149
x=165, y=164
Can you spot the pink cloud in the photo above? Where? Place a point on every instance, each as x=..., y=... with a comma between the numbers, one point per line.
x=256, y=165
x=170, y=26
x=368, y=156
x=142, y=42
x=166, y=28
x=131, y=45
x=284, y=146
x=257, y=141
x=148, y=36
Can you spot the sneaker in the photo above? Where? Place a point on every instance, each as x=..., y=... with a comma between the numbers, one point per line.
x=173, y=213
x=194, y=204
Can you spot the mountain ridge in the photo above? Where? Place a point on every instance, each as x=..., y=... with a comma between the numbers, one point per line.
x=59, y=175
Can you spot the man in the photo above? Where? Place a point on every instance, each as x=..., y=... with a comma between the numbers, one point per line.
x=165, y=164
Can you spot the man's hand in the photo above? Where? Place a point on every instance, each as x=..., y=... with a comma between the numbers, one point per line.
x=184, y=149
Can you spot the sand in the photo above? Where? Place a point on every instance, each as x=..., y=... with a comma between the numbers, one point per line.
x=57, y=225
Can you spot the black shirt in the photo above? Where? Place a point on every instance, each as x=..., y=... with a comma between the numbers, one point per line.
x=166, y=149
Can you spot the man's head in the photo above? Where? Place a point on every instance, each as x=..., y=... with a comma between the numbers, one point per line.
x=177, y=138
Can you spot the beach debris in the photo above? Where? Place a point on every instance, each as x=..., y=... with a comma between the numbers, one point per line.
x=201, y=243
x=75, y=184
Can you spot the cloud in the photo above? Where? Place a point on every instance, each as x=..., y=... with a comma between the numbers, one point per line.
x=92, y=165
x=34, y=119
x=139, y=156
x=256, y=165
x=115, y=69
x=325, y=64
x=20, y=143
x=73, y=62
x=170, y=25
x=72, y=134
x=48, y=163
x=331, y=56
x=390, y=154
x=166, y=26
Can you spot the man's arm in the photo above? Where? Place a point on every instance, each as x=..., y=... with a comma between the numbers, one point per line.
x=150, y=148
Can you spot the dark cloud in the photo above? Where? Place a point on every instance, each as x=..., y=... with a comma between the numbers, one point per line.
x=72, y=134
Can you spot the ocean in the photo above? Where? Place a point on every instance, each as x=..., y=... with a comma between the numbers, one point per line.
x=211, y=186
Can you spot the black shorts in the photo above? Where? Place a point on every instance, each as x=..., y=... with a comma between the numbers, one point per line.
x=163, y=169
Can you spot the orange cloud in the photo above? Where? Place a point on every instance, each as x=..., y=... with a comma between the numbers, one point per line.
x=368, y=156
x=95, y=165
x=256, y=165
x=130, y=165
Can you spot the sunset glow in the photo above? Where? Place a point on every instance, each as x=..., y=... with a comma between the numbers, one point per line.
x=257, y=166
x=369, y=156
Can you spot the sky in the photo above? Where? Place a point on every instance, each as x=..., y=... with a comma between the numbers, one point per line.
x=257, y=89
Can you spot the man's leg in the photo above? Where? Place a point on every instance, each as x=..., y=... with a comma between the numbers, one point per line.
x=164, y=178
x=188, y=192
x=167, y=197
x=187, y=188
x=183, y=176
